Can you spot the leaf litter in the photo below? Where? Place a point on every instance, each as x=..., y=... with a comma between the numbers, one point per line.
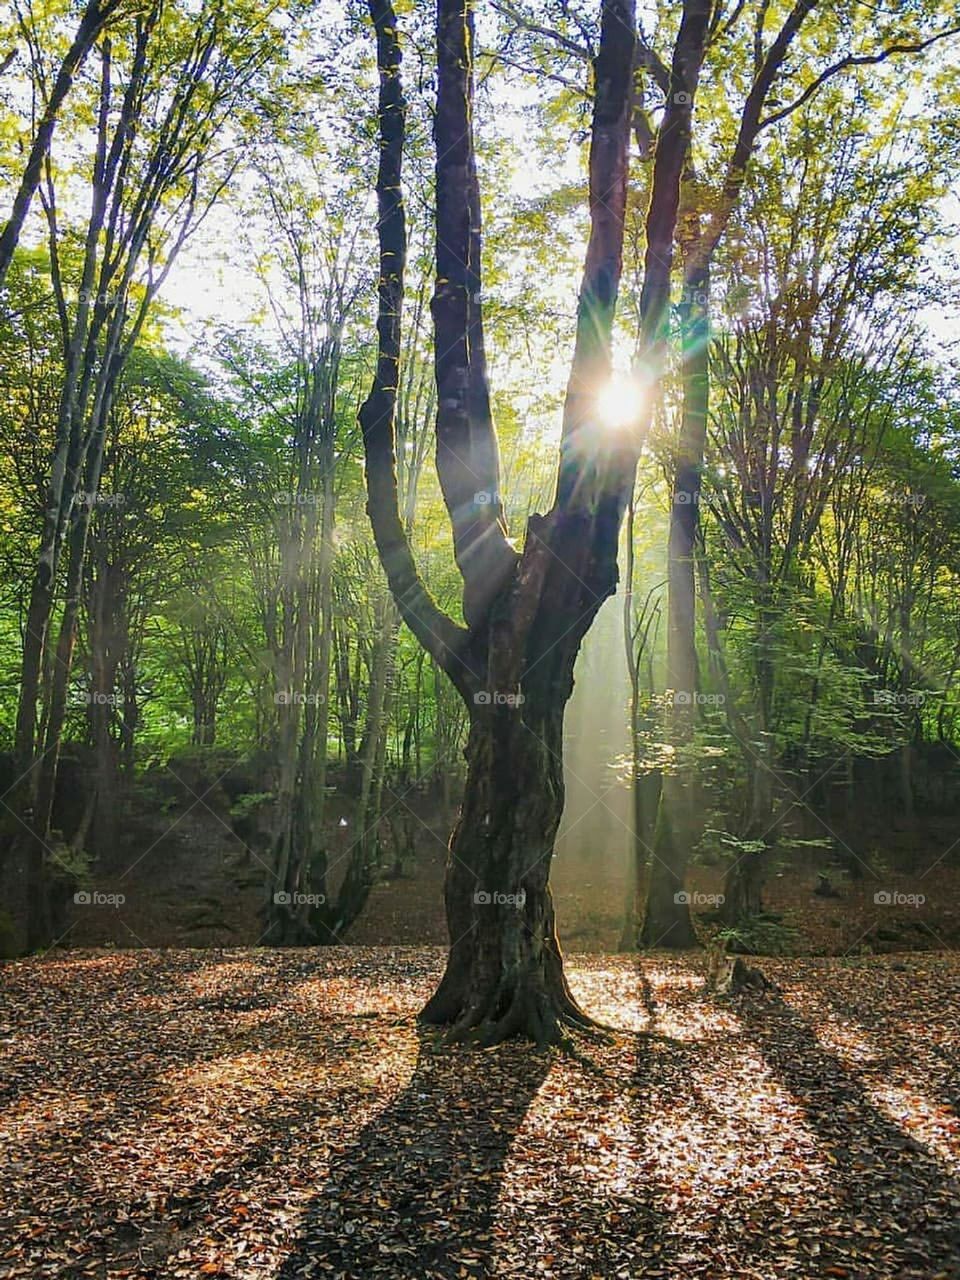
x=261, y=1113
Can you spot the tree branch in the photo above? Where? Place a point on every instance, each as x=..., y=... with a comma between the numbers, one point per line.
x=750, y=126
x=94, y=19
x=861, y=60
x=673, y=147
x=651, y=62
x=468, y=461
x=521, y=20
x=438, y=634
x=609, y=156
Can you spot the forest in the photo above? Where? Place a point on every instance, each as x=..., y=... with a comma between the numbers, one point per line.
x=479, y=639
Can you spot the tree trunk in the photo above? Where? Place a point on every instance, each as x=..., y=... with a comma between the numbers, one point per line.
x=105, y=649
x=330, y=919
x=743, y=889
x=743, y=883
x=92, y=22
x=504, y=971
x=639, y=633
x=668, y=922
x=905, y=754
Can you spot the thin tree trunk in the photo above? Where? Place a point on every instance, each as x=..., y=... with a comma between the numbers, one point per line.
x=667, y=922
x=95, y=16
x=743, y=883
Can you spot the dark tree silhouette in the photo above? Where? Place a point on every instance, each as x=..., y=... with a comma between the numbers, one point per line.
x=526, y=612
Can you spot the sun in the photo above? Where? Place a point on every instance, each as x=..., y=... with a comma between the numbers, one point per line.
x=619, y=403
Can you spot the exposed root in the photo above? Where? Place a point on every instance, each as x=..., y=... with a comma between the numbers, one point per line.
x=547, y=1018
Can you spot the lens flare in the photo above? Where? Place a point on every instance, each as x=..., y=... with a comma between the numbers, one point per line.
x=620, y=402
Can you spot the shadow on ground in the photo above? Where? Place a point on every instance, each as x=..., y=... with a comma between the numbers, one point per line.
x=416, y=1192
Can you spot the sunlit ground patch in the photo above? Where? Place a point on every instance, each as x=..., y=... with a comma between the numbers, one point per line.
x=252, y=1114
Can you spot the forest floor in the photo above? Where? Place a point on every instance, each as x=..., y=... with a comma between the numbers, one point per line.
x=254, y=1114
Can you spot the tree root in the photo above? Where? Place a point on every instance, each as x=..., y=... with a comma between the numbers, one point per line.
x=547, y=1018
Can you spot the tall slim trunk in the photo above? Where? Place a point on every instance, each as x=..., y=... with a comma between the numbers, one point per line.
x=105, y=657
x=743, y=883
x=667, y=922
x=92, y=22
x=73, y=593
x=644, y=786
x=905, y=754
x=325, y=651
x=283, y=913
x=313, y=773
x=38, y=842
x=31, y=666
x=67, y=457
x=377, y=699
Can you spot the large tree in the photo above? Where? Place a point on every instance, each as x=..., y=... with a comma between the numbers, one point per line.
x=525, y=611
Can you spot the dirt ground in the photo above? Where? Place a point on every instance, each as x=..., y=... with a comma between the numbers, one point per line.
x=261, y=1114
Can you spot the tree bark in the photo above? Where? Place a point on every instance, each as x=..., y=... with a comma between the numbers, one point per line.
x=504, y=972
x=667, y=922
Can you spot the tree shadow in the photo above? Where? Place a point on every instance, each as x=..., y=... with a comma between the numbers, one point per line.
x=894, y=1198
x=629, y=1218
x=417, y=1190
x=194, y=1031
x=890, y=1209
x=931, y=1067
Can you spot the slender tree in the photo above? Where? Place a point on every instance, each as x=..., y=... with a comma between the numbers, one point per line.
x=93, y=21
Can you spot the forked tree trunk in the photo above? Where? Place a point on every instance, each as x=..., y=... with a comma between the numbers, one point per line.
x=526, y=614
